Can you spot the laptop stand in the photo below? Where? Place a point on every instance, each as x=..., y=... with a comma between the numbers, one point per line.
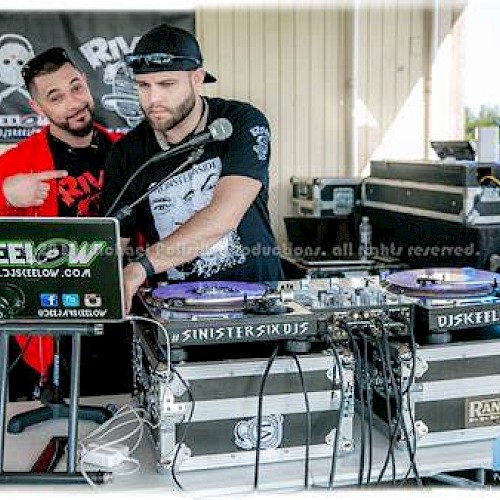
x=70, y=475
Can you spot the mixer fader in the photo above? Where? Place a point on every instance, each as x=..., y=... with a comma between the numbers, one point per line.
x=353, y=305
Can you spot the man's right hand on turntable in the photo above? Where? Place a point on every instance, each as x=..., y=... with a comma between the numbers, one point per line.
x=134, y=275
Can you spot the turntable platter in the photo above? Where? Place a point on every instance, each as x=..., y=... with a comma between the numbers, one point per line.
x=208, y=295
x=444, y=282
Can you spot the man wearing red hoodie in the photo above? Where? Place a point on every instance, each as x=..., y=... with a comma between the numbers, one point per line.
x=58, y=171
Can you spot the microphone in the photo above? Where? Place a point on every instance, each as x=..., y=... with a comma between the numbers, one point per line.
x=219, y=130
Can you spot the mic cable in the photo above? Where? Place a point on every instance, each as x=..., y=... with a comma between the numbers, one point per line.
x=219, y=130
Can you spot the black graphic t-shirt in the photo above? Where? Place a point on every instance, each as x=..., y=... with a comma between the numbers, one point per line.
x=79, y=194
x=249, y=253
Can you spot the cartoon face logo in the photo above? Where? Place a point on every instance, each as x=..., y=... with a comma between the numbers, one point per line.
x=123, y=99
x=15, y=50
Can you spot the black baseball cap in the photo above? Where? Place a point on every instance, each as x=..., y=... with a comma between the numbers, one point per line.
x=167, y=48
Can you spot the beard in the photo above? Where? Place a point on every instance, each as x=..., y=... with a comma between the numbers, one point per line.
x=177, y=114
x=80, y=130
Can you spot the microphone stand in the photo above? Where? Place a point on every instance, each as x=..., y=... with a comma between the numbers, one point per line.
x=53, y=402
x=127, y=210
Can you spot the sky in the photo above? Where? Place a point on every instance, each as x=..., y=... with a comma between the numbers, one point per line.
x=482, y=47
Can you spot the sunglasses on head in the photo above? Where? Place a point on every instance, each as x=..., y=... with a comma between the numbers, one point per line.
x=158, y=60
x=56, y=56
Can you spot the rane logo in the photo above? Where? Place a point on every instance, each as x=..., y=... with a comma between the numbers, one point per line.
x=481, y=412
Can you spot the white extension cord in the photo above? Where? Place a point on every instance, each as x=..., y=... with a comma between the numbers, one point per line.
x=104, y=455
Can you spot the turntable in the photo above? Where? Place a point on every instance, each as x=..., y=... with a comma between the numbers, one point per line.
x=215, y=383
x=449, y=299
x=224, y=312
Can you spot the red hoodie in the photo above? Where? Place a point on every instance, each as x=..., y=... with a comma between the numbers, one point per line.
x=30, y=156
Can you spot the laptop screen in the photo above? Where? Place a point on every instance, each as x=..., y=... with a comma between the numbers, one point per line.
x=60, y=270
x=459, y=150
x=322, y=238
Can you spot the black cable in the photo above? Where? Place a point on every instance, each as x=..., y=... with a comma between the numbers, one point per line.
x=358, y=376
x=397, y=404
x=391, y=433
x=398, y=397
x=270, y=362
x=390, y=452
x=413, y=348
x=339, y=419
x=184, y=434
x=157, y=157
x=397, y=391
x=370, y=410
x=414, y=440
x=308, y=420
x=164, y=354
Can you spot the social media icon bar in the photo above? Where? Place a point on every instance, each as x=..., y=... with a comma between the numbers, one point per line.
x=70, y=300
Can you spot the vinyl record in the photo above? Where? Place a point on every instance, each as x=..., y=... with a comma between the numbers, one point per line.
x=444, y=282
x=209, y=295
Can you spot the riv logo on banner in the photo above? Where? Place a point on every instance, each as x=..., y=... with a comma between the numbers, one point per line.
x=108, y=54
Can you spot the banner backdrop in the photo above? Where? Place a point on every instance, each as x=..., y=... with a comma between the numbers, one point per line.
x=96, y=42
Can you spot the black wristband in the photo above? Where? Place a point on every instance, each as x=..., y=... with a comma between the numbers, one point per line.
x=144, y=261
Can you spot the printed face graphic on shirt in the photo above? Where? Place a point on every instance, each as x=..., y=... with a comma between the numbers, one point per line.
x=173, y=203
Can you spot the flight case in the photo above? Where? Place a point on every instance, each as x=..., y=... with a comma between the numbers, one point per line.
x=205, y=415
x=454, y=397
x=325, y=196
x=464, y=192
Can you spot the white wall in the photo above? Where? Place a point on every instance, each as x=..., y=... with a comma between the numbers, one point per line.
x=296, y=64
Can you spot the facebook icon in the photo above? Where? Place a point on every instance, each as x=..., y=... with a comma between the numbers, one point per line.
x=49, y=300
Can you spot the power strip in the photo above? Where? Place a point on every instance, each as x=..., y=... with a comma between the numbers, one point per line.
x=104, y=455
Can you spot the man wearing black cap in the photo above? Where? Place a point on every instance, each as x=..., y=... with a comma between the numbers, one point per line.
x=209, y=221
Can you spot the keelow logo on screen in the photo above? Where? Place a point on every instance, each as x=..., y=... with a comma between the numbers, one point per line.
x=50, y=253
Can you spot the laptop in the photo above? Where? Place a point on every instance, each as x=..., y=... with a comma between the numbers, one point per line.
x=324, y=241
x=457, y=150
x=60, y=269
